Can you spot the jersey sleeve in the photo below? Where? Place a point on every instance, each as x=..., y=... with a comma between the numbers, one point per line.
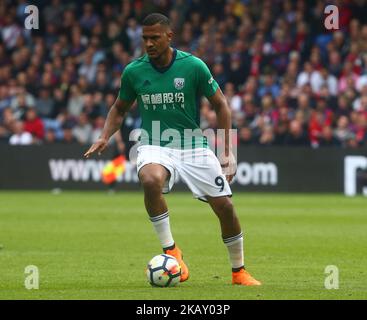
x=127, y=91
x=207, y=85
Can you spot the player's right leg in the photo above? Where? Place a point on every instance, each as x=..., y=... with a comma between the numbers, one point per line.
x=153, y=177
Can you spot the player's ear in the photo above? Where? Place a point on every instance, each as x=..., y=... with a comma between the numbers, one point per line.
x=169, y=34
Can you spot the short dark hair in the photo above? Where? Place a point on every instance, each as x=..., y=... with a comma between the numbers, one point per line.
x=154, y=18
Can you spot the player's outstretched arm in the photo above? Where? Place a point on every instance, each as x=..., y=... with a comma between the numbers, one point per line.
x=224, y=121
x=113, y=123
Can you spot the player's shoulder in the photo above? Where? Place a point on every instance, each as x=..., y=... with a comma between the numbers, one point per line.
x=187, y=56
x=192, y=59
x=182, y=55
x=136, y=64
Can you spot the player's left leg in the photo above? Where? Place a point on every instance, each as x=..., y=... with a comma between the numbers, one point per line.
x=201, y=171
x=232, y=238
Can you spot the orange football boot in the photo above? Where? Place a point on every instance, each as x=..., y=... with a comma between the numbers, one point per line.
x=176, y=252
x=242, y=277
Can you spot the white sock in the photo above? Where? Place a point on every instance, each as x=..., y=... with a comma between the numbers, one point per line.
x=163, y=229
x=235, y=249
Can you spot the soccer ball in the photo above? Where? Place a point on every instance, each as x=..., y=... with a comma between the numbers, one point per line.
x=163, y=271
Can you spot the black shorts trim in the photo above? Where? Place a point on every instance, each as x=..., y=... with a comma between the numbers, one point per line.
x=206, y=201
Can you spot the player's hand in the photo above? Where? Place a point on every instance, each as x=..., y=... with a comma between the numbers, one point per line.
x=229, y=165
x=99, y=146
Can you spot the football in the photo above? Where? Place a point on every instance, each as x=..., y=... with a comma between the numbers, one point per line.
x=163, y=271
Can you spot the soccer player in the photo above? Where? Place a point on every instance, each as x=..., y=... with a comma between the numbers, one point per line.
x=167, y=84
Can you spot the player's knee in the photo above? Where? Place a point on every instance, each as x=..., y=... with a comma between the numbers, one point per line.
x=151, y=182
x=226, y=208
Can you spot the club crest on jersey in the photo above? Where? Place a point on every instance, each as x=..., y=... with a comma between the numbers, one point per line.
x=179, y=83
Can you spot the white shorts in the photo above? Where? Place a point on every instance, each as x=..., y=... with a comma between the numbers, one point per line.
x=199, y=168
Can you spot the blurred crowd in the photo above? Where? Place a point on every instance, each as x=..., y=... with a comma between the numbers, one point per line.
x=288, y=80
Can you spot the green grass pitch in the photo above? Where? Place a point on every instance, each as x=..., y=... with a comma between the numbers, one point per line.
x=92, y=245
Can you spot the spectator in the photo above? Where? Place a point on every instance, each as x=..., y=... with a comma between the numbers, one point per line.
x=359, y=126
x=53, y=12
x=115, y=34
x=89, y=18
x=343, y=107
x=21, y=101
x=269, y=87
x=6, y=120
x=249, y=108
x=45, y=104
x=60, y=102
x=88, y=69
x=267, y=136
x=75, y=103
x=245, y=136
x=10, y=31
x=97, y=128
x=34, y=125
x=360, y=104
x=50, y=137
x=83, y=130
x=233, y=99
x=304, y=109
x=347, y=75
x=281, y=126
x=309, y=76
x=20, y=136
x=343, y=132
x=236, y=71
x=327, y=138
x=297, y=136
x=335, y=63
x=68, y=137
x=220, y=75
x=134, y=32
x=5, y=98
x=327, y=80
